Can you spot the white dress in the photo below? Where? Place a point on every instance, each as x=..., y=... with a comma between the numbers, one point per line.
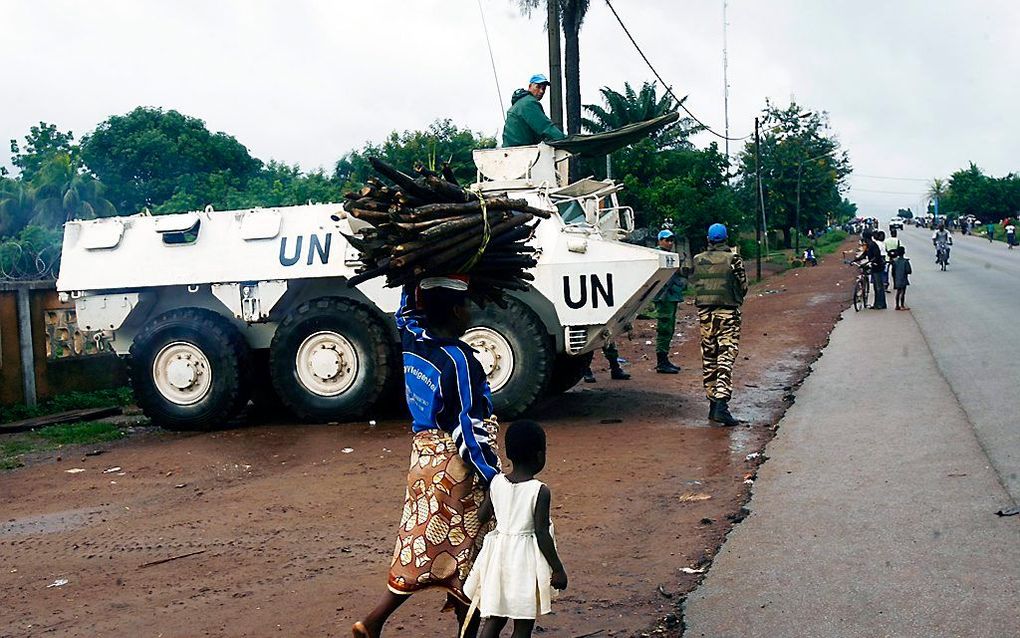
x=510, y=577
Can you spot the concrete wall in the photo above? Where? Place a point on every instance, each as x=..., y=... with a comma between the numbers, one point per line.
x=65, y=358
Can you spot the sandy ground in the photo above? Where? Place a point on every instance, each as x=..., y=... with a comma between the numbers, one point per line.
x=294, y=523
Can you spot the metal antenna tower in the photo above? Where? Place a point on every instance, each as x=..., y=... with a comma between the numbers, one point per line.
x=726, y=82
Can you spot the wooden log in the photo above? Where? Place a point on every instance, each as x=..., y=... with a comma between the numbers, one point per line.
x=429, y=211
x=404, y=181
x=448, y=174
x=446, y=190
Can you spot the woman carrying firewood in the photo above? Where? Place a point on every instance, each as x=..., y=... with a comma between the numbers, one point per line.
x=452, y=452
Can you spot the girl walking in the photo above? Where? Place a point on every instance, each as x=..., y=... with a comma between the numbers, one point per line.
x=901, y=278
x=518, y=568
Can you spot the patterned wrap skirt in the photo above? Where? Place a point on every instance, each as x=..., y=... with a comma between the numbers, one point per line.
x=439, y=535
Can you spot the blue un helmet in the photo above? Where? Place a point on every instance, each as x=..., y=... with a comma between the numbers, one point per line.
x=717, y=233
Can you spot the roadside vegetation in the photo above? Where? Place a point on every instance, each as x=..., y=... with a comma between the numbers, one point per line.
x=68, y=401
x=14, y=447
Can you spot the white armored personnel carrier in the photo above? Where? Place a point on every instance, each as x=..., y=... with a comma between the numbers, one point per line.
x=216, y=308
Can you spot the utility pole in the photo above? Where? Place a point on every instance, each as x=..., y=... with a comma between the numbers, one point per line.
x=555, y=63
x=761, y=199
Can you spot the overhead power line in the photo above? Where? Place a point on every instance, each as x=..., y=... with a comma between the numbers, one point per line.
x=904, y=179
x=868, y=190
x=665, y=85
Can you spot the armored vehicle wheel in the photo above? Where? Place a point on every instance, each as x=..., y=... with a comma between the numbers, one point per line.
x=329, y=359
x=514, y=350
x=190, y=370
x=567, y=371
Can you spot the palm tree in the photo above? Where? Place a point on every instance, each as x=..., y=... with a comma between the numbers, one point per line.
x=17, y=205
x=936, y=191
x=633, y=106
x=572, y=14
x=62, y=192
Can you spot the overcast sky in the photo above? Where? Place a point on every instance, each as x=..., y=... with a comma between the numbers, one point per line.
x=914, y=88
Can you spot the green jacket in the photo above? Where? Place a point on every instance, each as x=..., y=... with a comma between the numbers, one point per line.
x=527, y=124
x=719, y=278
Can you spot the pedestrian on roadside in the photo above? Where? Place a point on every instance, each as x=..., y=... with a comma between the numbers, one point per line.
x=665, y=309
x=452, y=455
x=518, y=568
x=901, y=277
x=891, y=245
x=720, y=285
x=1010, y=234
x=872, y=254
x=990, y=228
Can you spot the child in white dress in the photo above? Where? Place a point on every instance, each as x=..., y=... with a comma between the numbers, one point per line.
x=518, y=568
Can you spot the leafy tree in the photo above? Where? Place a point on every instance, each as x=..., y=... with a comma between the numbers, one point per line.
x=276, y=185
x=441, y=142
x=43, y=143
x=17, y=205
x=148, y=155
x=632, y=106
x=683, y=187
x=797, y=149
x=62, y=192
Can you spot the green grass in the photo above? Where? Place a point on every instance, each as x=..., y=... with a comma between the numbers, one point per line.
x=51, y=437
x=69, y=401
x=79, y=433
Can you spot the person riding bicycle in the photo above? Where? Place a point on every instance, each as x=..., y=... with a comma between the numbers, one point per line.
x=942, y=240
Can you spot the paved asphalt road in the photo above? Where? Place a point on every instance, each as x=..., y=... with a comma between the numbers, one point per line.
x=970, y=317
x=875, y=513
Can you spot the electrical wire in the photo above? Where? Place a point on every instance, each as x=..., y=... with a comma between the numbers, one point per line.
x=904, y=179
x=665, y=85
x=867, y=190
x=492, y=59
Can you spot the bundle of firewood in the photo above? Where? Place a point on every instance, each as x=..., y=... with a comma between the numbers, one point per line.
x=428, y=226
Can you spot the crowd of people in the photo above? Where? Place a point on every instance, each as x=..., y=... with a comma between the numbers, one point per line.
x=885, y=259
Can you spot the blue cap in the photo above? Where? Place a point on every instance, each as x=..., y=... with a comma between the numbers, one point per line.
x=538, y=78
x=665, y=234
x=716, y=233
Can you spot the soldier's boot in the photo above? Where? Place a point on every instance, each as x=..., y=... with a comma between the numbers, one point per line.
x=616, y=372
x=663, y=366
x=719, y=412
x=589, y=376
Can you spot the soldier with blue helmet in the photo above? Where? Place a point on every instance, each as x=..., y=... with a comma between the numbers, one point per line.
x=720, y=284
x=665, y=309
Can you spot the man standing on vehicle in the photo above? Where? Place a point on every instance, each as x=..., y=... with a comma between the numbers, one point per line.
x=665, y=309
x=720, y=284
x=526, y=122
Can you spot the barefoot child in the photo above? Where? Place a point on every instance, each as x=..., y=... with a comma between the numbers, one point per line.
x=518, y=566
x=901, y=271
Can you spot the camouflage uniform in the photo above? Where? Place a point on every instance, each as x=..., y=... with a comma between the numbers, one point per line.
x=720, y=284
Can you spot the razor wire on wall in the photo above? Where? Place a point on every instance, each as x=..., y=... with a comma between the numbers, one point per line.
x=23, y=260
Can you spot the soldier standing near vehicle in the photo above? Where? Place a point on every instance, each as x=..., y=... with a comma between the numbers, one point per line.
x=526, y=121
x=665, y=309
x=720, y=284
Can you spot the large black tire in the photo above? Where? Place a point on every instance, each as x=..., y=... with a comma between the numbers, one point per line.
x=532, y=352
x=229, y=368
x=361, y=378
x=567, y=371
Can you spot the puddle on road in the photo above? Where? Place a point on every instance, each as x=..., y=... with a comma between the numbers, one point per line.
x=51, y=523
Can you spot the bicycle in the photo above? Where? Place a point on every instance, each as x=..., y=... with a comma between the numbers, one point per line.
x=861, y=288
x=942, y=256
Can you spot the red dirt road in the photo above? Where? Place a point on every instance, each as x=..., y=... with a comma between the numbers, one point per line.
x=295, y=523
